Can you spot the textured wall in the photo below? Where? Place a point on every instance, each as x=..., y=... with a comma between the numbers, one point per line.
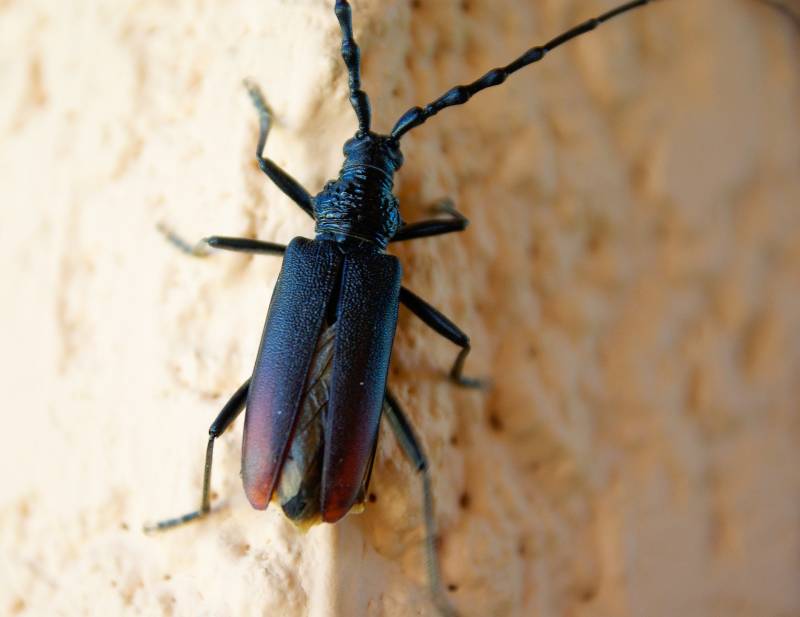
x=631, y=282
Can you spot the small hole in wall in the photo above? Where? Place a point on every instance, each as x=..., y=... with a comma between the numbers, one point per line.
x=465, y=501
x=594, y=243
x=452, y=587
x=466, y=6
x=372, y=498
x=415, y=4
x=495, y=423
x=454, y=441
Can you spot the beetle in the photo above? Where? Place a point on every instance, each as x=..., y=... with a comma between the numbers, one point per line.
x=318, y=389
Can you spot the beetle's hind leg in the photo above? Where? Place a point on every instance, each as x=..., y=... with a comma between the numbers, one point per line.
x=225, y=418
x=412, y=448
x=438, y=322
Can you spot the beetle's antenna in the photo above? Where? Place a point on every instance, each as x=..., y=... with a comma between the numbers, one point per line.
x=785, y=10
x=352, y=59
x=461, y=94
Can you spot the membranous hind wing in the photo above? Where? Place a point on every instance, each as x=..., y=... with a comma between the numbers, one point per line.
x=303, y=292
x=300, y=482
x=299, y=487
x=366, y=318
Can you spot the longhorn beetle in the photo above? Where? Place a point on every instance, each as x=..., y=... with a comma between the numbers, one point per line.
x=318, y=389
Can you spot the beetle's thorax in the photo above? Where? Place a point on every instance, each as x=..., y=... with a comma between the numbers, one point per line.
x=360, y=203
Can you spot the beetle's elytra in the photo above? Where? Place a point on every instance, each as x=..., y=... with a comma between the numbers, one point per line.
x=318, y=389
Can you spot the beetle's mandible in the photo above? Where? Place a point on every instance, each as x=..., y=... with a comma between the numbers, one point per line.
x=318, y=390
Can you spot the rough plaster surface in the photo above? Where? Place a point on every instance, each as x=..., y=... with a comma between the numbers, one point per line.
x=631, y=282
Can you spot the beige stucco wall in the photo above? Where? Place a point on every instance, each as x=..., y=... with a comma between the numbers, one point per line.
x=631, y=282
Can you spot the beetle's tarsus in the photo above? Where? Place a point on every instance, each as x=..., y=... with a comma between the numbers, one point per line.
x=264, y=114
x=196, y=249
x=470, y=382
x=457, y=372
x=178, y=521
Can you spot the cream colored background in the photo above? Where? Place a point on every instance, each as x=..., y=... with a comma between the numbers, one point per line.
x=631, y=282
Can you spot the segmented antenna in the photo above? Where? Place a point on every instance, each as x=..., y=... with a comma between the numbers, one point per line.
x=352, y=59
x=785, y=10
x=461, y=94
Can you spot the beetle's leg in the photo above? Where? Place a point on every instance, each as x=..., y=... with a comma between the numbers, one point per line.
x=284, y=181
x=197, y=249
x=412, y=448
x=442, y=325
x=434, y=227
x=204, y=246
x=225, y=418
x=245, y=245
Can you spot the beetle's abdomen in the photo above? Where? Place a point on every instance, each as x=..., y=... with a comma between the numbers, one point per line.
x=360, y=204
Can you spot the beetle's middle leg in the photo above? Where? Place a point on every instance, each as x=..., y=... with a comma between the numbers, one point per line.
x=442, y=325
x=225, y=418
x=410, y=445
x=434, y=227
x=204, y=247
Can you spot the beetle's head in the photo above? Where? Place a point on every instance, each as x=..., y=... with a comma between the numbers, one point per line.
x=373, y=150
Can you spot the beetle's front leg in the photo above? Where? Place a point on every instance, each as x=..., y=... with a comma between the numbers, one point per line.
x=434, y=227
x=203, y=248
x=442, y=325
x=410, y=445
x=288, y=185
x=225, y=418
